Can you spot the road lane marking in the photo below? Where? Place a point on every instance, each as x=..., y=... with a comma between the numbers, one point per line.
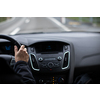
x=15, y=31
x=59, y=24
x=27, y=21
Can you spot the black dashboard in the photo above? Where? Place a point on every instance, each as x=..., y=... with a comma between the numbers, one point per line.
x=58, y=58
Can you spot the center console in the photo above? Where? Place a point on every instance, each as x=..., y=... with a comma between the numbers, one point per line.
x=50, y=58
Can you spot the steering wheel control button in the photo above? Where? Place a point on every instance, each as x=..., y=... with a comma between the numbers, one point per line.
x=59, y=58
x=40, y=59
x=50, y=65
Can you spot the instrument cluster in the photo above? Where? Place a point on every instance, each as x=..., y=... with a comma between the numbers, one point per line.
x=7, y=48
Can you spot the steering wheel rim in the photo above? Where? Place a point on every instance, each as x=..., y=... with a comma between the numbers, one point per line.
x=8, y=58
x=7, y=75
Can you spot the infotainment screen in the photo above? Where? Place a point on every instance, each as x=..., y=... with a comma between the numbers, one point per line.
x=49, y=47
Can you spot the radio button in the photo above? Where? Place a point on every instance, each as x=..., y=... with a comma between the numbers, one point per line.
x=43, y=65
x=50, y=65
x=40, y=59
x=56, y=64
x=59, y=58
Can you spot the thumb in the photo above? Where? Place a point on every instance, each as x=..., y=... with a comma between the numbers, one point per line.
x=15, y=49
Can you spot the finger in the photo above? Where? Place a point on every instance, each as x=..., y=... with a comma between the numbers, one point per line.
x=22, y=47
x=15, y=49
x=25, y=49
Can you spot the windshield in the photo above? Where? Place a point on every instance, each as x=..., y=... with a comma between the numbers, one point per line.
x=16, y=25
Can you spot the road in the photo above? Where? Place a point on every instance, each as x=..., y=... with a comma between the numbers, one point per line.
x=79, y=26
x=43, y=24
x=31, y=24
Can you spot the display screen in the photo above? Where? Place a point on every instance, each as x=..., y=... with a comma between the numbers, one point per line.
x=49, y=47
x=6, y=48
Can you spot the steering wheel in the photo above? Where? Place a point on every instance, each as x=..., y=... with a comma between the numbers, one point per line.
x=8, y=58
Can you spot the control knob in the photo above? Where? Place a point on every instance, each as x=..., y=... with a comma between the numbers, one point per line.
x=50, y=65
x=59, y=58
x=40, y=59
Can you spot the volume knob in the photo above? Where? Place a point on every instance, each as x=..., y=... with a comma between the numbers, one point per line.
x=40, y=59
x=59, y=58
x=50, y=64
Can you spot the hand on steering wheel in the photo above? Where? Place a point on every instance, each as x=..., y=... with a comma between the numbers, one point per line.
x=22, y=54
x=8, y=59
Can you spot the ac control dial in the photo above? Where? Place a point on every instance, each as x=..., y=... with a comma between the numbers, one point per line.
x=40, y=59
x=59, y=58
x=50, y=65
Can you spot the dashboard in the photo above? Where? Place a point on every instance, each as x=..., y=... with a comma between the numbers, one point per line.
x=58, y=57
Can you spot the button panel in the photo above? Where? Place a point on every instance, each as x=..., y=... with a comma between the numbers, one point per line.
x=50, y=65
x=51, y=61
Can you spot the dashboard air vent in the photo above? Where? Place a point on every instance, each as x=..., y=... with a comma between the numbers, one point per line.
x=66, y=60
x=34, y=62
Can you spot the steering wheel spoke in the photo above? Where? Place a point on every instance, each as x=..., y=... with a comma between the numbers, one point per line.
x=12, y=62
x=8, y=59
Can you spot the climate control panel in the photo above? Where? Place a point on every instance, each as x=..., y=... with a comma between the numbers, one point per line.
x=55, y=59
x=50, y=63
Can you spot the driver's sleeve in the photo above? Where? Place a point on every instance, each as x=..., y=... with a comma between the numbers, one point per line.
x=22, y=68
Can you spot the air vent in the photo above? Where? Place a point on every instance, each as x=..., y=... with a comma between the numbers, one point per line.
x=34, y=62
x=66, y=60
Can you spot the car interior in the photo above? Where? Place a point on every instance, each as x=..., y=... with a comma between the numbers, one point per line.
x=54, y=58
